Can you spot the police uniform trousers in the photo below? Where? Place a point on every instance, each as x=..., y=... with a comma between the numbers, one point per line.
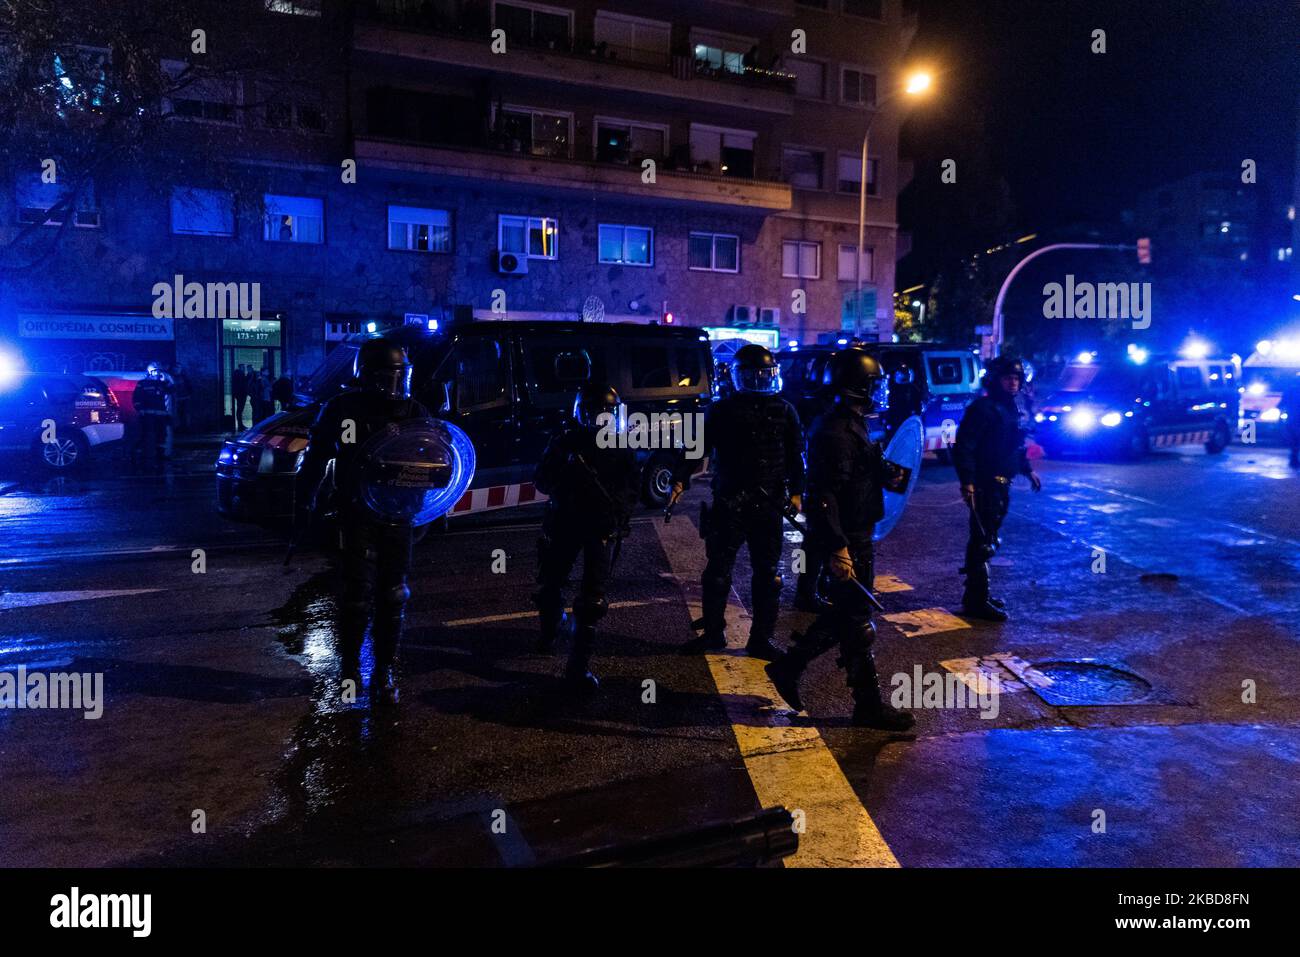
x=563, y=539
x=847, y=621
x=374, y=563
x=991, y=502
x=730, y=525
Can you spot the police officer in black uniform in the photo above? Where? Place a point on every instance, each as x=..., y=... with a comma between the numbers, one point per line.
x=757, y=457
x=152, y=399
x=376, y=557
x=847, y=473
x=592, y=481
x=988, y=454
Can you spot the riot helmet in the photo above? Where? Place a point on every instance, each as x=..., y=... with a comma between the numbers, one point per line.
x=154, y=370
x=382, y=367
x=1000, y=366
x=598, y=406
x=754, y=369
x=854, y=376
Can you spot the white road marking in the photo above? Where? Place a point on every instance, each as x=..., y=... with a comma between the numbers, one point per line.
x=28, y=599
x=517, y=615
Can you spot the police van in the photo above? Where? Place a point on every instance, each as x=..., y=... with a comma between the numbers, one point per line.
x=927, y=379
x=509, y=385
x=1267, y=373
x=1131, y=404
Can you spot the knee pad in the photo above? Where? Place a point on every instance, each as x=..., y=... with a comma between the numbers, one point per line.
x=590, y=610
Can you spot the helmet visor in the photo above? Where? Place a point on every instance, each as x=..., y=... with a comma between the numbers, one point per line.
x=394, y=383
x=766, y=379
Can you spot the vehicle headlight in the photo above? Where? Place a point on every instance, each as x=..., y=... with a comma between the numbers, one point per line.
x=1081, y=420
x=1039, y=417
x=1112, y=419
x=1256, y=388
x=1270, y=415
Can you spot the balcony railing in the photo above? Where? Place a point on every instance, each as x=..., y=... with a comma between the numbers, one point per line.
x=417, y=16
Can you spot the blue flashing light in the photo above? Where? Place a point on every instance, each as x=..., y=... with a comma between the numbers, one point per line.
x=433, y=325
x=841, y=342
x=9, y=369
x=371, y=326
x=1084, y=358
x=1111, y=419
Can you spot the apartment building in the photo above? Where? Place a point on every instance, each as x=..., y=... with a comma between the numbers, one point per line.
x=615, y=160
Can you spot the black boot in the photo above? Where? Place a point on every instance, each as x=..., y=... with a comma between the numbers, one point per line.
x=760, y=646
x=869, y=708
x=700, y=644
x=984, y=609
x=383, y=684
x=784, y=673
x=577, y=674
x=553, y=623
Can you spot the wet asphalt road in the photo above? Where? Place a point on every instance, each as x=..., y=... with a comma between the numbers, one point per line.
x=221, y=698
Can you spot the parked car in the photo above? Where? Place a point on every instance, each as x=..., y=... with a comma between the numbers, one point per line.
x=76, y=413
x=509, y=385
x=1130, y=405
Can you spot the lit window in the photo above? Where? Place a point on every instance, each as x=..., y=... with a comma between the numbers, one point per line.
x=627, y=245
x=536, y=237
x=419, y=230
x=535, y=131
x=846, y=270
x=800, y=260
x=849, y=179
x=293, y=219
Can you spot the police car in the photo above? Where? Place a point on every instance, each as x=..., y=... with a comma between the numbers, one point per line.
x=508, y=385
x=1132, y=403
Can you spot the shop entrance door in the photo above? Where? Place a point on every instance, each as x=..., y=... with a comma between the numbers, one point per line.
x=249, y=346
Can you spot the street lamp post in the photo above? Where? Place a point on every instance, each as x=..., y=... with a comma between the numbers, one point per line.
x=917, y=83
x=992, y=344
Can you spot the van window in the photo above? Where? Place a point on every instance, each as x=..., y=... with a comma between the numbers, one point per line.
x=689, y=369
x=651, y=367
x=481, y=373
x=945, y=370
x=545, y=389
x=1189, y=378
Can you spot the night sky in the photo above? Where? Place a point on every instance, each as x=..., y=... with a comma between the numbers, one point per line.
x=1185, y=86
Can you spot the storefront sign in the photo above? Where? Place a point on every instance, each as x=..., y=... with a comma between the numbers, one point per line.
x=250, y=332
x=48, y=325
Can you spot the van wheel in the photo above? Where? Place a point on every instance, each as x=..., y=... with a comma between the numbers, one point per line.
x=65, y=453
x=1220, y=439
x=657, y=480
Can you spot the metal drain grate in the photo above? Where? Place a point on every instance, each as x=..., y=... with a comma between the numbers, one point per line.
x=1088, y=683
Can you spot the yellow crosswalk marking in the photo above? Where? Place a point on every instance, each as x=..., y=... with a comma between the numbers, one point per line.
x=788, y=766
x=887, y=584
x=926, y=621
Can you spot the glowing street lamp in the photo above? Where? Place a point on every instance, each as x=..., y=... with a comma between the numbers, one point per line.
x=916, y=83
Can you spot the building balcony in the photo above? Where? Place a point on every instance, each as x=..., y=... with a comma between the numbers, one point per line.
x=523, y=171
x=390, y=33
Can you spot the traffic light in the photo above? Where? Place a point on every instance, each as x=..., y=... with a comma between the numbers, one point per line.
x=1144, y=250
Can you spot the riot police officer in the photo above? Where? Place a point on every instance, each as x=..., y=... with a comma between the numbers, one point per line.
x=757, y=456
x=988, y=454
x=376, y=556
x=592, y=480
x=847, y=473
x=152, y=399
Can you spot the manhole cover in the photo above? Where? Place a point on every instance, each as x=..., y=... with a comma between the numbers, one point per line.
x=1088, y=683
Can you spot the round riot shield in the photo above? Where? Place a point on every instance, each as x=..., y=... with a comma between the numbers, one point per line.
x=414, y=471
x=905, y=449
